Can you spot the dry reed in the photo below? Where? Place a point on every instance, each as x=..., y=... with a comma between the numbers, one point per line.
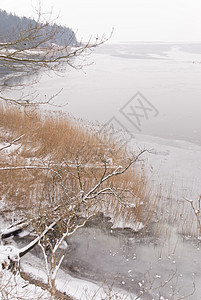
x=58, y=158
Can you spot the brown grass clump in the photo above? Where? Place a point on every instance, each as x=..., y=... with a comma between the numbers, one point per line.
x=56, y=160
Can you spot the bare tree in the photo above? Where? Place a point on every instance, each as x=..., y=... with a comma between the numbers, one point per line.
x=28, y=51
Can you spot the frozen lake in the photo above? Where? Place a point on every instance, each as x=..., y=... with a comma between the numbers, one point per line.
x=167, y=75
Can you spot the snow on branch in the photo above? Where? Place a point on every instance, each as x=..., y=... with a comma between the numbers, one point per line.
x=12, y=142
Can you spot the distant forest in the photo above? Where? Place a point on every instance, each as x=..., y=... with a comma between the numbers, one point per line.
x=11, y=26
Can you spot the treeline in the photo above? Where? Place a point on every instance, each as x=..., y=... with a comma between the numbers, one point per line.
x=12, y=26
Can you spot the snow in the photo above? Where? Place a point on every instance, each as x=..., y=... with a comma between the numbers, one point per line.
x=9, y=147
x=34, y=52
x=10, y=230
x=14, y=287
x=24, y=233
x=120, y=223
x=77, y=288
x=7, y=254
x=173, y=165
x=13, y=51
x=64, y=245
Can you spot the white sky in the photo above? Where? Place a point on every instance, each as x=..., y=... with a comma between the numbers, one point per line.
x=133, y=20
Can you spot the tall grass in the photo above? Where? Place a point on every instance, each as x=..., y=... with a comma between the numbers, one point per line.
x=68, y=157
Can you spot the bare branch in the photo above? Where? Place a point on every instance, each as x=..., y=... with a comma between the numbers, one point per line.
x=12, y=142
x=31, y=245
x=116, y=172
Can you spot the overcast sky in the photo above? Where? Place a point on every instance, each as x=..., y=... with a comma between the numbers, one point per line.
x=132, y=20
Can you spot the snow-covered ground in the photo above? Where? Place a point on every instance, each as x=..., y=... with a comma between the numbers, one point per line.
x=15, y=288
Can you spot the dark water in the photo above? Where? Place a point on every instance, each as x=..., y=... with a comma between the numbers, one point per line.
x=158, y=261
x=167, y=265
